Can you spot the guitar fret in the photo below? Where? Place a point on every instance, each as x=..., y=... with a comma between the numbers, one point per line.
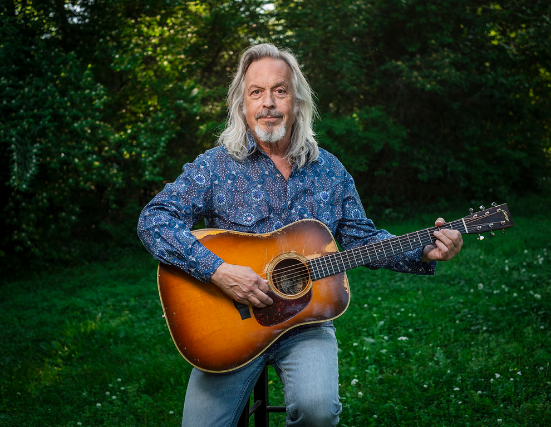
x=345, y=260
x=401, y=248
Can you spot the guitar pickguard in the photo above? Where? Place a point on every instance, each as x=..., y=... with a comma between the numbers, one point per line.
x=281, y=310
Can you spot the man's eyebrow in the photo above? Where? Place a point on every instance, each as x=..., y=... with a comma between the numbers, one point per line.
x=281, y=83
x=278, y=84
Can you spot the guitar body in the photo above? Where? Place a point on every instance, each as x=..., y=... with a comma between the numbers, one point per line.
x=215, y=334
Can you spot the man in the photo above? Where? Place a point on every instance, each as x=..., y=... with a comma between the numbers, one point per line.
x=268, y=172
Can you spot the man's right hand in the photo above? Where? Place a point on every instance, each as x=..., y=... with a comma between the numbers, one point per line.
x=242, y=284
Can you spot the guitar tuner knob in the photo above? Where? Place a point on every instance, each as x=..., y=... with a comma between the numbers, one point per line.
x=481, y=207
x=471, y=210
x=494, y=204
x=492, y=234
x=480, y=237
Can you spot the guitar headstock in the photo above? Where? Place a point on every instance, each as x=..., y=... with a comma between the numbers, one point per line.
x=496, y=217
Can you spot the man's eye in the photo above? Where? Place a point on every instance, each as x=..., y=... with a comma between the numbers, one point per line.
x=281, y=92
x=255, y=92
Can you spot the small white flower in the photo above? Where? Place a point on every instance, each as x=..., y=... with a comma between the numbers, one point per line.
x=360, y=394
x=114, y=397
x=374, y=416
x=98, y=405
x=383, y=351
x=511, y=379
x=479, y=392
x=499, y=420
x=365, y=305
x=425, y=386
x=119, y=380
x=537, y=296
x=480, y=286
x=456, y=388
x=122, y=388
x=459, y=403
x=355, y=344
x=519, y=373
x=107, y=393
x=403, y=338
x=79, y=423
x=497, y=375
x=515, y=295
x=354, y=381
x=171, y=412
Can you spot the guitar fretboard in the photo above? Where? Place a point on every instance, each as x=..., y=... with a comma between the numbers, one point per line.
x=338, y=262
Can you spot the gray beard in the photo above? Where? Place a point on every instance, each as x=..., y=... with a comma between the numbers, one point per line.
x=271, y=135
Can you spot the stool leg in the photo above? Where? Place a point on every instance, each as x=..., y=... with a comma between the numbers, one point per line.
x=261, y=415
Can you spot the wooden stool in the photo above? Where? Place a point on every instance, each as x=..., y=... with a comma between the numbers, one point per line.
x=261, y=407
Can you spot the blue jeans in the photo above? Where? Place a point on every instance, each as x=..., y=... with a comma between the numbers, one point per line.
x=307, y=365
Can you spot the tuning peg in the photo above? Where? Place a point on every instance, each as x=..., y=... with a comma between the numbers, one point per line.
x=494, y=204
x=481, y=207
x=480, y=237
x=471, y=210
x=492, y=234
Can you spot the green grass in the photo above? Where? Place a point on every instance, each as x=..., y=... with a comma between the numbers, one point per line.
x=468, y=347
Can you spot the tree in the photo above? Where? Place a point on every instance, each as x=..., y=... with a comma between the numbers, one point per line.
x=441, y=98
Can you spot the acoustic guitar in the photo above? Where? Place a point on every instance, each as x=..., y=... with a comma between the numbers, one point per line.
x=307, y=280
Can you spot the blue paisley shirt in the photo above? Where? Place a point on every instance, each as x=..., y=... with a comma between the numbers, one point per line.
x=252, y=196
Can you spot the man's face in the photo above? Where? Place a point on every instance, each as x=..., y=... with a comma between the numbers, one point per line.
x=269, y=100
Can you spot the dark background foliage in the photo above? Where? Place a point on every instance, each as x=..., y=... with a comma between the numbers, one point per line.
x=103, y=101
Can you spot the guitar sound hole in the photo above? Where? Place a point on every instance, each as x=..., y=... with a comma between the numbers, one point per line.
x=290, y=276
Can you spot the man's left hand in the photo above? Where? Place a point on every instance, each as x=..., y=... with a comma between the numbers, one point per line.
x=447, y=245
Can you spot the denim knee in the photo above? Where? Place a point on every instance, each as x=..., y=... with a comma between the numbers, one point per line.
x=314, y=411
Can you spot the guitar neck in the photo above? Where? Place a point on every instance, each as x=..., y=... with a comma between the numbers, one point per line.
x=346, y=260
x=495, y=218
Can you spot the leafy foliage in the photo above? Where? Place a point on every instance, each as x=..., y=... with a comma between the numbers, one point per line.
x=103, y=101
x=462, y=87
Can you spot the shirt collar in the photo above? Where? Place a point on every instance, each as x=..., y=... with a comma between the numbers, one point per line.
x=251, y=143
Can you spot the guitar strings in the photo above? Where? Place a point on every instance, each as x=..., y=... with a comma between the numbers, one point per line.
x=395, y=244
x=338, y=259
x=331, y=260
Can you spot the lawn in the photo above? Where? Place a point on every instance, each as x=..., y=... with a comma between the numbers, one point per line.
x=470, y=346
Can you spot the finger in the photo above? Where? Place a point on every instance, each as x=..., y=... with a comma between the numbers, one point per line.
x=263, y=286
x=443, y=237
x=263, y=298
x=444, y=250
x=439, y=222
x=454, y=236
x=253, y=301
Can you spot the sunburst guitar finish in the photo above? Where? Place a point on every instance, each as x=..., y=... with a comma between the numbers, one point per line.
x=307, y=280
x=215, y=334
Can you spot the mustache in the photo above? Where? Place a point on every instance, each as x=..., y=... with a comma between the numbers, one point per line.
x=274, y=112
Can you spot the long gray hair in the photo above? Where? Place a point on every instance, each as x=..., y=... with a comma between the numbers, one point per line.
x=303, y=147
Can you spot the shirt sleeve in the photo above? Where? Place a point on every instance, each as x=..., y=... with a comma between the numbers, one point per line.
x=355, y=230
x=164, y=226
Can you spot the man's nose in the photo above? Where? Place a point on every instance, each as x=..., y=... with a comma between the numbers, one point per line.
x=269, y=99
